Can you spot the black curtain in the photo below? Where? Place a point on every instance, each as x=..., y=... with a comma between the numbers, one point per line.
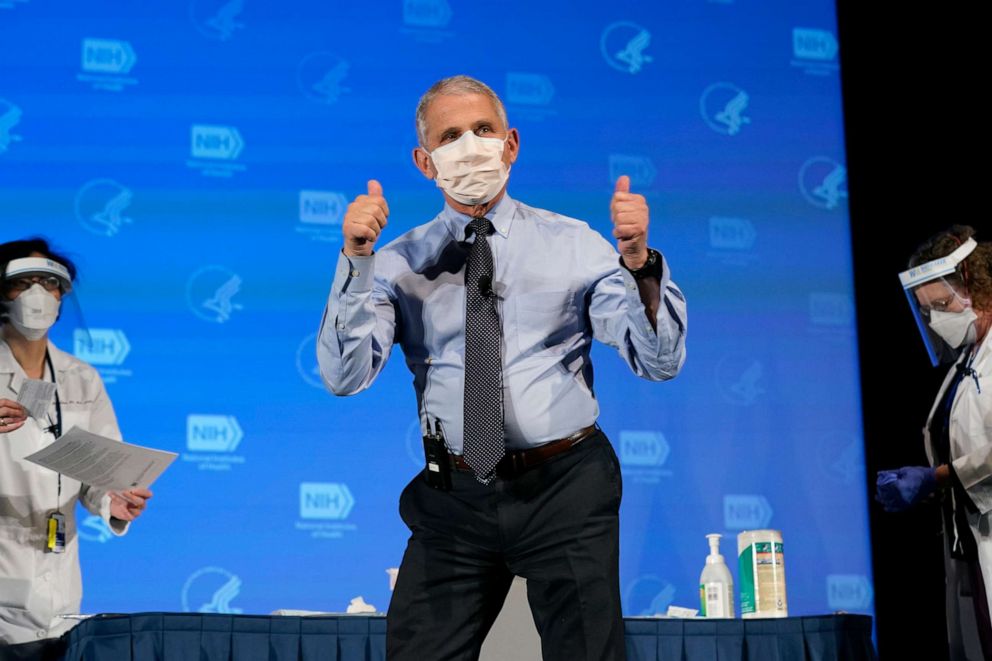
x=911, y=75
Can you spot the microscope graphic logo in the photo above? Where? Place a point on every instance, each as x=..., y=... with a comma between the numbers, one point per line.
x=320, y=77
x=94, y=529
x=101, y=205
x=647, y=595
x=10, y=116
x=823, y=182
x=211, y=590
x=740, y=379
x=306, y=361
x=217, y=19
x=722, y=106
x=210, y=293
x=623, y=44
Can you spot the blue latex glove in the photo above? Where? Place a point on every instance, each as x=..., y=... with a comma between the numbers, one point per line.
x=900, y=489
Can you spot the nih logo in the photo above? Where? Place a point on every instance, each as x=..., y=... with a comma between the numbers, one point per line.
x=325, y=500
x=812, y=44
x=640, y=169
x=746, y=512
x=215, y=142
x=731, y=233
x=831, y=309
x=643, y=448
x=213, y=433
x=426, y=13
x=319, y=207
x=100, y=346
x=848, y=592
x=529, y=89
x=108, y=56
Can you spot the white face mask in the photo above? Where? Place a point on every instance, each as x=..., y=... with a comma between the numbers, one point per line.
x=956, y=328
x=33, y=312
x=471, y=169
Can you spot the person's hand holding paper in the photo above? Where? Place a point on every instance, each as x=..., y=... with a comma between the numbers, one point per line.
x=128, y=505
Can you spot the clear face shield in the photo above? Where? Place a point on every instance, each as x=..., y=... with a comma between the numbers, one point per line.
x=34, y=291
x=940, y=306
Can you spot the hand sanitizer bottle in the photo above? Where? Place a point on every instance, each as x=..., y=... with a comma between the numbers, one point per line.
x=716, y=585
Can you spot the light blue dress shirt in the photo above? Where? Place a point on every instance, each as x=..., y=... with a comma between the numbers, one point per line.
x=558, y=285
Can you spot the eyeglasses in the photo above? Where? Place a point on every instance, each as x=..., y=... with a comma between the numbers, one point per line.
x=939, y=305
x=18, y=285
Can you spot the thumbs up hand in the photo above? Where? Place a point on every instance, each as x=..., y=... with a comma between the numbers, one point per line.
x=364, y=220
x=629, y=213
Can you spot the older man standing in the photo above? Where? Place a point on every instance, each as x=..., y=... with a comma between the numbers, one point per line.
x=495, y=305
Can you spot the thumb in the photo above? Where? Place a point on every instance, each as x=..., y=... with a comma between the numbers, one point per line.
x=623, y=184
x=375, y=188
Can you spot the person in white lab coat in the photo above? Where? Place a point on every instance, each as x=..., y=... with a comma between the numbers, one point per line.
x=39, y=573
x=949, y=287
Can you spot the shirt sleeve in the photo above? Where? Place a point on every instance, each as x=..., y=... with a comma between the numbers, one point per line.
x=619, y=318
x=359, y=325
x=103, y=421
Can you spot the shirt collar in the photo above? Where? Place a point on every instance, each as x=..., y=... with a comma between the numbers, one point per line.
x=500, y=215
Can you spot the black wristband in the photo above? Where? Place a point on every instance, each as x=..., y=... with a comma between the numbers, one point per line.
x=651, y=269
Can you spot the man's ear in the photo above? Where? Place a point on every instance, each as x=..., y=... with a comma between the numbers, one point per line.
x=512, y=149
x=424, y=163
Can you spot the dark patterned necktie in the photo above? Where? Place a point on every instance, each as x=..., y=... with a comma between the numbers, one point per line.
x=483, y=413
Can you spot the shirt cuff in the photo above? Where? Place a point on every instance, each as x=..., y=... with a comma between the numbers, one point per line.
x=117, y=526
x=354, y=275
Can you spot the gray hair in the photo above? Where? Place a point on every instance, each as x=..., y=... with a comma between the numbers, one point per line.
x=455, y=85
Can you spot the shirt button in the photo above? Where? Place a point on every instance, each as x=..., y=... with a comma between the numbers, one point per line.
x=355, y=273
x=41, y=633
x=429, y=360
x=340, y=326
x=632, y=286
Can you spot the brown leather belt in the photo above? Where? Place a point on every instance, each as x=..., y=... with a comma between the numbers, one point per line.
x=515, y=462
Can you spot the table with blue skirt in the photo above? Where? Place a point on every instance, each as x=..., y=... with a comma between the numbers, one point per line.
x=205, y=637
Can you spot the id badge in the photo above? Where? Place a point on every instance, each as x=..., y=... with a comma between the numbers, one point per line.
x=56, y=533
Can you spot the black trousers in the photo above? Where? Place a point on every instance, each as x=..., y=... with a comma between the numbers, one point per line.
x=556, y=525
x=49, y=649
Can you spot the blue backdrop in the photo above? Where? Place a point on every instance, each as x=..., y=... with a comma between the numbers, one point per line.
x=196, y=158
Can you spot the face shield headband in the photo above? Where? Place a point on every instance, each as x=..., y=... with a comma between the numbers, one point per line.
x=24, y=266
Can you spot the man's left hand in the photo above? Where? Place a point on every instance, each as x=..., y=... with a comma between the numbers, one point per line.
x=629, y=212
x=129, y=504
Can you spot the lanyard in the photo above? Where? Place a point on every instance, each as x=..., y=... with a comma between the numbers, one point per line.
x=56, y=428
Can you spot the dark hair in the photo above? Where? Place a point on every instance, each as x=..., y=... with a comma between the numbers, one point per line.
x=25, y=248
x=974, y=272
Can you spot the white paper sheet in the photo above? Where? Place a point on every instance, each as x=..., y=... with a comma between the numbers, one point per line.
x=36, y=396
x=103, y=462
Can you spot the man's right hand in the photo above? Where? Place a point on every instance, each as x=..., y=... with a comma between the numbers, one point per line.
x=364, y=220
x=12, y=416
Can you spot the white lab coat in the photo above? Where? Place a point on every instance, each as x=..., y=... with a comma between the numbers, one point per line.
x=36, y=586
x=971, y=455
